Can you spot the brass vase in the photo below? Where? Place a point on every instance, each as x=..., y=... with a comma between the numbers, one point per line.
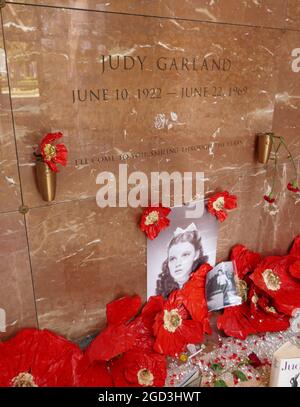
x=46, y=181
x=264, y=147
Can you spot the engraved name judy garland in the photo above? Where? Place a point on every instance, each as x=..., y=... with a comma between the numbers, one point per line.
x=124, y=64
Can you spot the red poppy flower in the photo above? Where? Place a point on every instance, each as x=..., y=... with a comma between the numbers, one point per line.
x=269, y=199
x=293, y=186
x=139, y=369
x=153, y=220
x=53, y=153
x=219, y=202
x=93, y=374
x=38, y=358
x=119, y=336
x=273, y=277
x=194, y=297
x=173, y=327
x=245, y=260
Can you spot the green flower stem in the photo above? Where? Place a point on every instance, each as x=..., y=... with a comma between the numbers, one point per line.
x=290, y=155
x=275, y=162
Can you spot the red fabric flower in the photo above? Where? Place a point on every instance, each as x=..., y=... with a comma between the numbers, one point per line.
x=153, y=220
x=93, y=374
x=139, y=369
x=194, y=297
x=269, y=199
x=292, y=186
x=53, y=153
x=119, y=336
x=173, y=327
x=38, y=358
x=219, y=202
x=245, y=260
x=273, y=277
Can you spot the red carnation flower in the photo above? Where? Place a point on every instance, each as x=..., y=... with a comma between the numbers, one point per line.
x=173, y=327
x=53, y=153
x=219, y=202
x=293, y=186
x=269, y=199
x=153, y=220
x=38, y=358
x=139, y=369
x=194, y=297
x=254, y=360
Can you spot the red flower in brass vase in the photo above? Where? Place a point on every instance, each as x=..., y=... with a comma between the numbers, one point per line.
x=154, y=219
x=218, y=203
x=174, y=328
x=38, y=358
x=139, y=369
x=52, y=153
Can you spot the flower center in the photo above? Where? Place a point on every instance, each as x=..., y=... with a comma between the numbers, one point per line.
x=271, y=280
x=145, y=377
x=271, y=309
x=172, y=320
x=152, y=218
x=242, y=289
x=254, y=299
x=50, y=151
x=218, y=205
x=23, y=380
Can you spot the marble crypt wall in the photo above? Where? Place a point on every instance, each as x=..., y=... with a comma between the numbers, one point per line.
x=193, y=83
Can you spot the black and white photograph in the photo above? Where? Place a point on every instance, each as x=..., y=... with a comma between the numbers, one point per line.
x=221, y=289
x=179, y=250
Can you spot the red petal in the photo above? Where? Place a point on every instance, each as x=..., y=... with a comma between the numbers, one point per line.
x=294, y=269
x=93, y=374
x=295, y=249
x=245, y=260
x=123, y=309
x=230, y=202
x=235, y=321
x=194, y=298
x=111, y=342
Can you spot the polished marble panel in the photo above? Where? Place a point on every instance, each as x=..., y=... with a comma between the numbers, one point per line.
x=9, y=179
x=268, y=13
x=188, y=84
x=16, y=290
x=82, y=258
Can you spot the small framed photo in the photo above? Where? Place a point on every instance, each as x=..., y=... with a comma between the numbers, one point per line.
x=180, y=249
x=221, y=287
